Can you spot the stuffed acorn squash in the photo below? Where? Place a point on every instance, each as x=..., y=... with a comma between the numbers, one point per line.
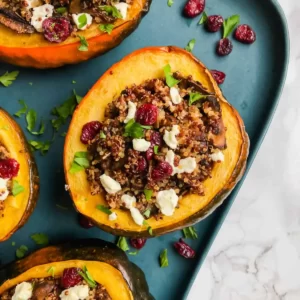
x=52, y=33
x=19, y=181
x=86, y=269
x=154, y=146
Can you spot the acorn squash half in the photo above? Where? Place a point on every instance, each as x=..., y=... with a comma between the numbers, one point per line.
x=108, y=265
x=33, y=50
x=135, y=68
x=18, y=208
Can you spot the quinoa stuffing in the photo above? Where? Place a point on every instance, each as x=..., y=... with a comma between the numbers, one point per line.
x=54, y=288
x=159, y=141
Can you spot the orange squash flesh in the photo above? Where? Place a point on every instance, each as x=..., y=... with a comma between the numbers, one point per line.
x=139, y=66
x=18, y=208
x=33, y=50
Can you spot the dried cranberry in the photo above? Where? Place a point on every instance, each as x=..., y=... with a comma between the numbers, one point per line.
x=149, y=153
x=224, y=47
x=9, y=168
x=70, y=277
x=156, y=138
x=138, y=243
x=57, y=29
x=141, y=164
x=194, y=8
x=184, y=249
x=146, y=114
x=245, y=34
x=214, y=23
x=85, y=222
x=218, y=76
x=89, y=131
x=161, y=171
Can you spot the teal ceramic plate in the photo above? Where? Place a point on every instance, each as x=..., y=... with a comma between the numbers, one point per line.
x=255, y=76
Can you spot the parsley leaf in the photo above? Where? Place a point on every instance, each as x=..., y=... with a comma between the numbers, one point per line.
x=77, y=97
x=104, y=209
x=122, y=243
x=82, y=20
x=13, y=244
x=190, y=233
x=147, y=213
x=61, y=10
x=42, y=146
x=190, y=46
x=73, y=81
x=84, y=45
x=31, y=118
x=111, y=10
x=108, y=28
x=170, y=3
x=23, y=110
x=133, y=253
x=17, y=188
x=203, y=18
x=148, y=194
x=102, y=135
x=134, y=129
x=229, y=24
x=20, y=252
x=155, y=149
x=195, y=97
x=171, y=81
x=150, y=230
x=40, y=239
x=80, y=162
x=163, y=257
x=86, y=275
x=51, y=271
x=7, y=78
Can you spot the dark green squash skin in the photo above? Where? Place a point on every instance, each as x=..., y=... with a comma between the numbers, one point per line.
x=89, y=249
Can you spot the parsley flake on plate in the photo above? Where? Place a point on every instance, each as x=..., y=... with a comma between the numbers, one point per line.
x=84, y=45
x=190, y=233
x=190, y=46
x=122, y=243
x=21, y=252
x=23, y=110
x=108, y=28
x=40, y=239
x=163, y=258
x=7, y=78
x=229, y=24
x=203, y=18
x=171, y=81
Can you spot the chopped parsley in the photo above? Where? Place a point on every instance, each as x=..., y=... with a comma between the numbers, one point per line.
x=108, y=28
x=80, y=162
x=195, y=97
x=17, y=188
x=190, y=233
x=21, y=252
x=51, y=271
x=84, y=45
x=102, y=135
x=203, y=18
x=147, y=213
x=171, y=81
x=148, y=194
x=122, y=243
x=104, y=209
x=43, y=147
x=133, y=253
x=73, y=81
x=86, y=275
x=134, y=129
x=111, y=10
x=155, y=149
x=40, y=239
x=61, y=10
x=229, y=24
x=150, y=230
x=31, y=118
x=23, y=110
x=163, y=258
x=7, y=78
x=170, y=3
x=82, y=20
x=190, y=46
x=13, y=244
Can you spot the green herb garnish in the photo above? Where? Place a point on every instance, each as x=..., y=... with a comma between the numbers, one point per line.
x=170, y=3
x=203, y=18
x=84, y=45
x=122, y=243
x=51, y=271
x=82, y=20
x=80, y=162
x=111, y=10
x=163, y=257
x=17, y=188
x=148, y=194
x=147, y=213
x=86, y=275
x=133, y=253
x=150, y=230
x=20, y=252
x=102, y=135
x=73, y=81
x=7, y=78
x=195, y=97
x=13, y=244
x=61, y=10
x=31, y=118
x=77, y=97
x=134, y=129
x=155, y=149
x=229, y=24
x=108, y=28
x=40, y=239
x=190, y=46
x=171, y=81
x=190, y=233
x=104, y=209
x=23, y=110
x=43, y=147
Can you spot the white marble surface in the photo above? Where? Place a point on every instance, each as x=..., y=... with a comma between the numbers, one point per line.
x=256, y=255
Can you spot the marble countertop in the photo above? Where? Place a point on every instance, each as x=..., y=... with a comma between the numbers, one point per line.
x=256, y=255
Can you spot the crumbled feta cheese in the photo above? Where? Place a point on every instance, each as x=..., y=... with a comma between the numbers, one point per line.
x=3, y=189
x=67, y=187
x=110, y=185
x=186, y=165
x=128, y=200
x=23, y=291
x=217, y=156
x=40, y=14
x=167, y=201
x=89, y=20
x=122, y=8
x=137, y=216
x=170, y=137
x=32, y=3
x=131, y=111
x=75, y=293
x=175, y=96
x=140, y=145
x=112, y=217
